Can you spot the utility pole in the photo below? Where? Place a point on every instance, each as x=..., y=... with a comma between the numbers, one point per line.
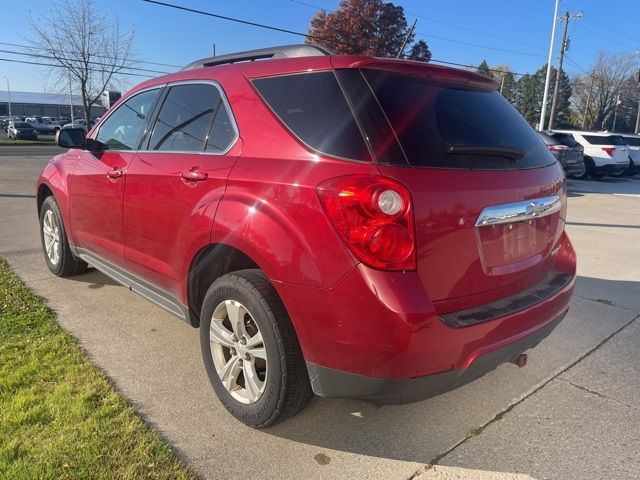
x=637, y=130
x=586, y=108
x=563, y=48
x=406, y=39
x=71, y=100
x=548, y=77
x=213, y=48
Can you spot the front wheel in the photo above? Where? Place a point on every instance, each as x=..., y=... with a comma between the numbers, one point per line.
x=55, y=244
x=250, y=350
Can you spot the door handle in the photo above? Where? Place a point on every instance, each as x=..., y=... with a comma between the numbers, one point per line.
x=194, y=175
x=114, y=173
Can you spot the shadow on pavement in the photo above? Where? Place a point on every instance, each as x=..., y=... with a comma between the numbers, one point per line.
x=408, y=432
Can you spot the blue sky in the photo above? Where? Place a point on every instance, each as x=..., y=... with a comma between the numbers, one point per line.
x=512, y=32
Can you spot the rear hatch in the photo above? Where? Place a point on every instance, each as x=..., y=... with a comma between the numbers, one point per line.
x=489, y=198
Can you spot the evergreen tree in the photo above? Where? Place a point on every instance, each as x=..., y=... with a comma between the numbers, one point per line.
x=420, y=52
x=484, y=69
x=508, y=87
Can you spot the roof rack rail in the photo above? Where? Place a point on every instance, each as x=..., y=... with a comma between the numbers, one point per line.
x=283, y=51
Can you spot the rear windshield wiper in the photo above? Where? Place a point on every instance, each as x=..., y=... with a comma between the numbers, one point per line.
x=510, y=153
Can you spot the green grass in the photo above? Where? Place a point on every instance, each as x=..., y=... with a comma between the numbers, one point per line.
x=60, y=418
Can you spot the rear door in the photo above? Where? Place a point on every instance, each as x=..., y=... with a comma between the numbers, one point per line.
x=96, y=186
x=176, y=181
x=467, y=155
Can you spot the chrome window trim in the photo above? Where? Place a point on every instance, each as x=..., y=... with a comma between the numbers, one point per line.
x=519, y=211
x=226, y=104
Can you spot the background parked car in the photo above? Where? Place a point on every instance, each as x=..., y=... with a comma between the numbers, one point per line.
x=604, y=153
x=634, y=153
x=22, y=131
x=568, y=152
x=43, y=124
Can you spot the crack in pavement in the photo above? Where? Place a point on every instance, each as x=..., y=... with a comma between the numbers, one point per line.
x=594, y=392
x=477, y=431
x=604, y=301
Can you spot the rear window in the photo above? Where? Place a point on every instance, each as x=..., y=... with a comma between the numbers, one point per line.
x=565, y=139
x=23, y=125
x=617, y=140
x=633, y=141
x=441, y=126
x=547, y=139
x=603, y=139
x=314, y=108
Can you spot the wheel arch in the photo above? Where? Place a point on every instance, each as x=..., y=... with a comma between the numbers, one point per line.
x=210, y=263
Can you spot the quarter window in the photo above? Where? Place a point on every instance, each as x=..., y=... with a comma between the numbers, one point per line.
x=192, y=116
x=121, y=131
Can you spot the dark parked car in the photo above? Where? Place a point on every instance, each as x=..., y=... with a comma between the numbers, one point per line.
x=22, y=131
x=345, y=225
x=568, y=152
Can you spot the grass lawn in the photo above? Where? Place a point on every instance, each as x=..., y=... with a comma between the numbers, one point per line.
x=60, y=418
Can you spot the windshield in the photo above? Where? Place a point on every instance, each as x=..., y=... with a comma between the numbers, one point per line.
x=441, y=126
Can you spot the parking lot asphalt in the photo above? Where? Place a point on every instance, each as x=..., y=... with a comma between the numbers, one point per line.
x=572, y=412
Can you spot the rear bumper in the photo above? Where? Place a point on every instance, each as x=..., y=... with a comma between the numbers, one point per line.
x=328, y=382
x=383, y=325
x=611, y=167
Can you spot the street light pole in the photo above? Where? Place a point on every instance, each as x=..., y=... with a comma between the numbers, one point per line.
x=548, y=77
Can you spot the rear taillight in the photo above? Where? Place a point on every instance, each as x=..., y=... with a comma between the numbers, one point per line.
x=374, y=216
x=609, y=150
x=557, y=148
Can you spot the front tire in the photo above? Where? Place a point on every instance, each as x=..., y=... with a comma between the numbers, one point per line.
x=55, y=244
x=250, y=350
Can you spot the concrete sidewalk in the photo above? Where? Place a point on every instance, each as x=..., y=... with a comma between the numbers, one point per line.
x=571, y=413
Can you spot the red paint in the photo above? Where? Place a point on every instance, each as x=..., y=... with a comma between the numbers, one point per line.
x=151, y=213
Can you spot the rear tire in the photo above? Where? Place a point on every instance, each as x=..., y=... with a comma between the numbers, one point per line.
x=55, y=244
x=585, y=172
x=591, y=168
x=243, y=306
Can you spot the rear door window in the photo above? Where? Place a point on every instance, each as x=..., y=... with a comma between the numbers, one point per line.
x=191, y=117
x=316, y=111
x=446, y=127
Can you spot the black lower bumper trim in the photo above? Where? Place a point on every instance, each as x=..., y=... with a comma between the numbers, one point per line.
x=546, y=288
x=327, y=382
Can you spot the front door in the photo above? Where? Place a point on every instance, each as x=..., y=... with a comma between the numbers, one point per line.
x=175, y=183
x=96, y=187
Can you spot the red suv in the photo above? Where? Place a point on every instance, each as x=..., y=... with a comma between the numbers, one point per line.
x=347, y=226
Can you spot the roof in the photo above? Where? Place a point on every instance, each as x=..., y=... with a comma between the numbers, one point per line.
x=38, y=98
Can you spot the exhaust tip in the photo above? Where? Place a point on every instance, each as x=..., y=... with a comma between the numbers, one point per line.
x=520, y=361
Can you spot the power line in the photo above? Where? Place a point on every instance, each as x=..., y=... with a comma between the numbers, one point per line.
x=31, y=47
x=479, y=46
x=269, y=27
x=51, y=57
x=13, y=60
x=431, y=19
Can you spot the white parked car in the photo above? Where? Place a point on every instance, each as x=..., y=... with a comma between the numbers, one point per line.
x=604, y=153
x=634, y=152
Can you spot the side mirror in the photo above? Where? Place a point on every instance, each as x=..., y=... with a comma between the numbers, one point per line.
x=71, y=138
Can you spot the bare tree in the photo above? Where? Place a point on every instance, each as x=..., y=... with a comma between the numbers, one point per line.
x=85, y=47
x=612, y=79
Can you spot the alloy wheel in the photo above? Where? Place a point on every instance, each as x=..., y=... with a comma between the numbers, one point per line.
x=238, y=351
x=51, y=234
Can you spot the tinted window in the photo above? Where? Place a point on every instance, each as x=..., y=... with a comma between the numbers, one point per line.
x=440, y=126
x=185, y=118
x=222, y=132
x=314, y=108
x=633, y=141
x=566, y=139
x=617, y=140
x=547, y=139
x=23, y=125
x=122, y=130
x=598, y=139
